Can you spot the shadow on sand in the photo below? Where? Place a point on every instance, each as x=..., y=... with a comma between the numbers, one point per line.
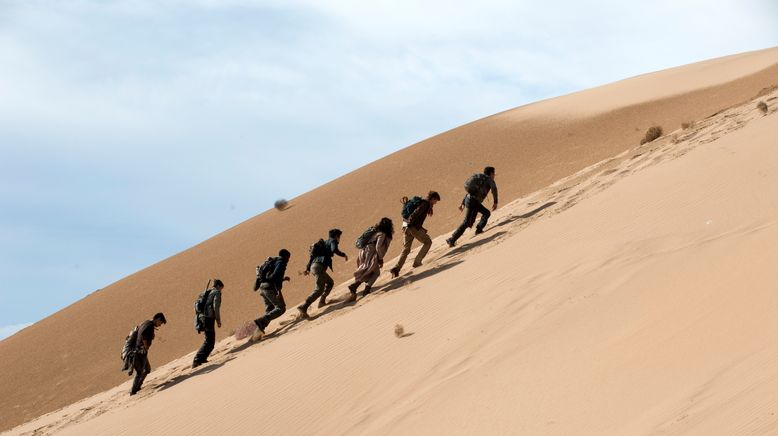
x=402, y=281
x=284, y=326
x=529, y=214
x=342, y=303
x=464, y=247
x=179, y=378
x=333, y=306
x=247, y=343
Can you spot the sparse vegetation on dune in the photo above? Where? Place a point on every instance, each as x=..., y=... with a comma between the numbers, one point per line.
x=652, y=133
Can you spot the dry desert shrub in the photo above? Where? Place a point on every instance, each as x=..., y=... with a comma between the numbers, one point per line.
x=687, y=125
x=399, y=331
x=281, y=204
x=651, y=134
x=762, y=106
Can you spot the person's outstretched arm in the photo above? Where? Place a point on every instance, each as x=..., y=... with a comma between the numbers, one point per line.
x=336, y=250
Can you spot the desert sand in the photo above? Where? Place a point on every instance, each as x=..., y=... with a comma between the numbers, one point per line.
x=622, y=289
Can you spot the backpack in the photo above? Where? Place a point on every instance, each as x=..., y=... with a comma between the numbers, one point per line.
x=199, y=308
x=365, y=237
x=202, y=299
x=320, y=249
x=264, y=270
x=128, y=351
x=410, y=205
x=476, y=184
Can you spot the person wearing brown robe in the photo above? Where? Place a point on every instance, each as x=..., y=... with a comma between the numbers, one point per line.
x=371, y=258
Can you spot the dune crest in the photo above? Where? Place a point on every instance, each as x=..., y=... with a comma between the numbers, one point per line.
x=531, y=151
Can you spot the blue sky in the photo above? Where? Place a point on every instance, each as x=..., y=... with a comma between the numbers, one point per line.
x=132, y=130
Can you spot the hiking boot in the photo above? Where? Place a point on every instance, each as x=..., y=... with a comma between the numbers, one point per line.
x=195, y=364
x=353, y=288
x=303, y=312
x=394, y=272
x=451, y=243
x=258, y=333
x=478, y=230
x=367, y=290
x=322, y=302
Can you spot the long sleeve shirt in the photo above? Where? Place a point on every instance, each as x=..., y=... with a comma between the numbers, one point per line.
x=213, y=305
x=145, y=333
x=277, y=276
x=493, y=188
x=416, y=220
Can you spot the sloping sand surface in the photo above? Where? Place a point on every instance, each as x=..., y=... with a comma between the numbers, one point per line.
x=353, y=368
x=636, y=296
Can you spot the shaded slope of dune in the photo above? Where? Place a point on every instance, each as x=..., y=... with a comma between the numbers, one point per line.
x=74, y=353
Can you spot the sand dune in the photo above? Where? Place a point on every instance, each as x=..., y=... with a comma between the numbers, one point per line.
x=633, y=297
x=616, y=315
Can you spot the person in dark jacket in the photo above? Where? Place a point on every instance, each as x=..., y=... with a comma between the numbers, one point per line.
x=270, y=289
x=318, y=265
x=141, y=362
x=474, y=206
x=211, y=319
x=413, y=228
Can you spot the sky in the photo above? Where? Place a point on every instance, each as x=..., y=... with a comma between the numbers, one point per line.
x=132, y=130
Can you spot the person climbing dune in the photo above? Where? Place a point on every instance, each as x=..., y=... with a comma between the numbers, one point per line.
x=415, y=211
x=373, y=245
x=478, y=187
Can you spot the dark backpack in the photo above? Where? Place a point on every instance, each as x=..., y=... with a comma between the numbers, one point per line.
x=410, y=205
x=320, y=248
x=264, y=271
x=128, y=351
x=477, y=184
x=365, y=237
x=199, y=307
x=202, y=299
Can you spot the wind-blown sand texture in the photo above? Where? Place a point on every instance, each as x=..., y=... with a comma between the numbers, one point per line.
x=646, y=308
